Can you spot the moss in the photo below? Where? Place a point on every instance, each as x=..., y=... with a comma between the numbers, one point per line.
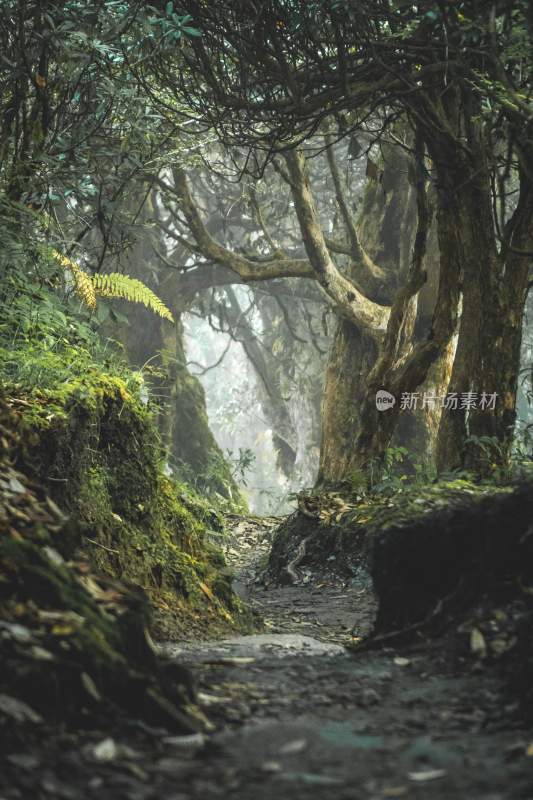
x=198, y=457
x=182, y=417
x=93, y=445
x=74, y=645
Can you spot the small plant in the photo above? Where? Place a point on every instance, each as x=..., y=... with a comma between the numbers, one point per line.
x=383, y=473
x=112, y=284
x=241, y=463
x=491, y=456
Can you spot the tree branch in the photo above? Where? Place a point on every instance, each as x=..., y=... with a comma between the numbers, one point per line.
x=347, y=298
x=368, y=272
x=248, y=270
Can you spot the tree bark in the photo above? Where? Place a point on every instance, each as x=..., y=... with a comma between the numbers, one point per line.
x=354, y=432
x=494, y=289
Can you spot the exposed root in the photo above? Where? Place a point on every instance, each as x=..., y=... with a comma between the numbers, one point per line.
x=291, y=566
x=403, y=635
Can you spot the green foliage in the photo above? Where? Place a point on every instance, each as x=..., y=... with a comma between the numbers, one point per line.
x=80, y=136
x=380, y=476
x=170, y=24
x=490, y=455
x=113, y=284
x=46, y=347
x=216, y=481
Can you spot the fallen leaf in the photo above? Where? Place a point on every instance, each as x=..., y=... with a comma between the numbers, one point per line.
x=402, y=662
x=62, y=630
x=90, y=687
x=478, y=646
x=271, y=766
x=106, y=750
x=230, y=661
x=207, y=591
x=296, y=746
x=16, y=486
x=53, y=556
x=18, y=710
x=24, y=760
x=529, y=751
x=14, y=631
x=193, y=741
x=40, y=654
x=427, y=775
x=212, y=699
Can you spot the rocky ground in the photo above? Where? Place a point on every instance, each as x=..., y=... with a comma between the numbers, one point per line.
x=295, y=714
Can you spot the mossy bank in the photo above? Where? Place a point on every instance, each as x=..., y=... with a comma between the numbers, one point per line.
x=87, y=436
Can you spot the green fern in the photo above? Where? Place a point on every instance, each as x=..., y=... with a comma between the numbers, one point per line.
x=83, y=283
x=114, y=284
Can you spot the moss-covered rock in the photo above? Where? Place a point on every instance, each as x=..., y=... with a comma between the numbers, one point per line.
x=341, y=529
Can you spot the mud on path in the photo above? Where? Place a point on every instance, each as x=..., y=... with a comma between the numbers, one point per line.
x=296, y=715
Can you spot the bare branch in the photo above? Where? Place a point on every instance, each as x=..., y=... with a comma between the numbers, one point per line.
x=368, y=272
x=347, y=298
x=248, y=270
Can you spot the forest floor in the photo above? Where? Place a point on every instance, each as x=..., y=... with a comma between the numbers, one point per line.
x=294, y=714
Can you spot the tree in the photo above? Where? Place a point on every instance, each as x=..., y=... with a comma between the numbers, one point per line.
x=389, y=208
x=269, y=75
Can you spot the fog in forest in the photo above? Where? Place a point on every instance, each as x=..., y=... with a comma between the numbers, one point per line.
x=266, y=399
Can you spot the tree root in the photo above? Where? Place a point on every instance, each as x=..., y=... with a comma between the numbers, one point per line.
x=290, y=569
x=403, y=635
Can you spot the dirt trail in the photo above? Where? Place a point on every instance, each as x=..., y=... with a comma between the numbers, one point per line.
x=296, y=715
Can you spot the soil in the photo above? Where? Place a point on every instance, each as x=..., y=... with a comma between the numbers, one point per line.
x=295, y=714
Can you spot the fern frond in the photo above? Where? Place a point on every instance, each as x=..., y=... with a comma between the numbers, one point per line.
x=83, y=283
x=114, y=284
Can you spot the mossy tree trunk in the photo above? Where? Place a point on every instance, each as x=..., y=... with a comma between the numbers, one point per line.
x=494, y=278
x=155, y=345
x=387, y=227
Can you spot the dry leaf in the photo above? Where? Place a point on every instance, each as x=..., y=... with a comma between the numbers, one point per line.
x=62, y=630
x=18, y=710
x=427, y=775
x=296, y=746
x=90, y=687
x=106, y=750
x=401, y=662
x=478, y=646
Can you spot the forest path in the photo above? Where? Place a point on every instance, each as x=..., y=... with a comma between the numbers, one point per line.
x=295, y=715
x=322, y=606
